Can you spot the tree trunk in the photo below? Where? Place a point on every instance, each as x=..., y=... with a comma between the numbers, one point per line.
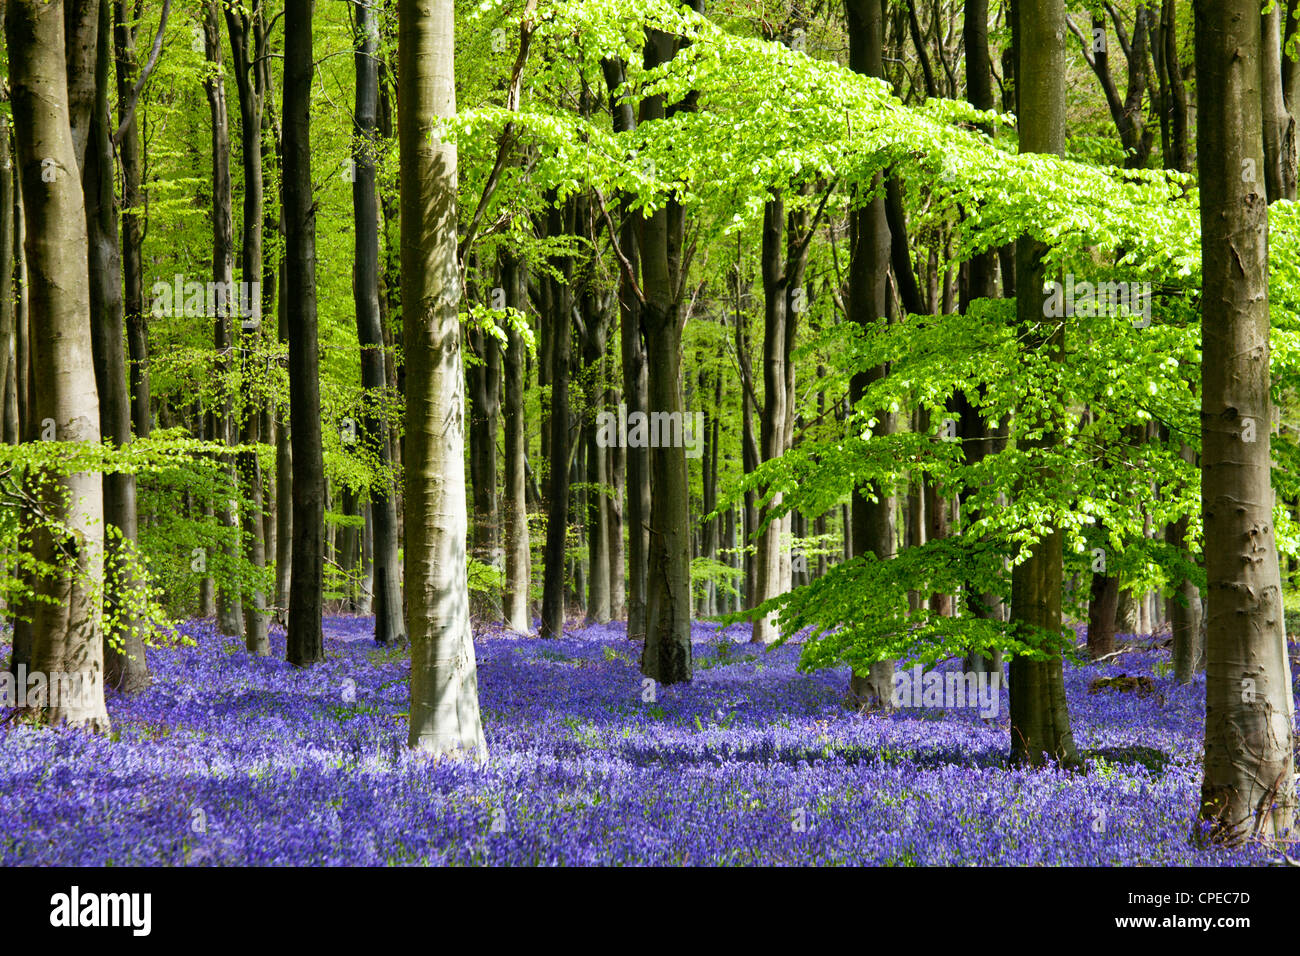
x=596, y=329
x=242, y=29
x=872, y=521
x=767, y=579
x=1040, y=722
x=283, y=479
x=514, y=506
x=560, y=222
x=124, y=593
x=666, y=656
x=444, y=677
x=65, y=625
x=389, y=627
x=484, y=378
x=1249, y=785
x=129, y=155
x=1185, y=604
x=1279, y=124
x=305, y=639
x=1103, y=605
x=230, y=614
x=635, y=384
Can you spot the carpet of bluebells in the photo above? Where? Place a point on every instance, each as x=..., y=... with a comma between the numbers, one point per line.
x=228, y=759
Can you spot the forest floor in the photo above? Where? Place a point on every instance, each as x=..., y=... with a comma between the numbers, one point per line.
x=228, y=759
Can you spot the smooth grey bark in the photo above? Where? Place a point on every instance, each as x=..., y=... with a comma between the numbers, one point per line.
x=1248, y=789
x=514, y=509
x=65, y=624
x=444, y=678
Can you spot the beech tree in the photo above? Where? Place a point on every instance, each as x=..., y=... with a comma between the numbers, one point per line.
x=68, y=540
x=1040, y=722
x=444, y=714
x=389, y=627
x=1248, y=789
x=305, y=640
x=874, y=509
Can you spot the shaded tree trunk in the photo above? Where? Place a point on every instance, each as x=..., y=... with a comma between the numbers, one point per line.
x=230, y=614
x=1279, y=123
x=305, y=639
x=130, y=158
x=389, y=626
x=560, y=222
x=873, y=529
x=244, y=29
x=124, y=594
x=1040, y=722
x=484, y=376
x=633, y=360
x=666, y=656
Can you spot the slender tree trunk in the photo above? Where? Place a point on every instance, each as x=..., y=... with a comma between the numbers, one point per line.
x=242, y=29
x=1040, y=722
x=1279, y=124
x=444, y=676
x=284, y=517
x=124, y=595
x=635, y=378
x=130, y=157
x=65, y=625
x=1249, y=783
x=230, y=614
x=305, y=638
x=614, y=524
x=596, y=328
x=749, y=450
x=8, y=305
x=873, y=530
x=560, y=222
x=767, y=580
x=484, y=378
x=389, y=626
x=1185, y=604
x=515, y=506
